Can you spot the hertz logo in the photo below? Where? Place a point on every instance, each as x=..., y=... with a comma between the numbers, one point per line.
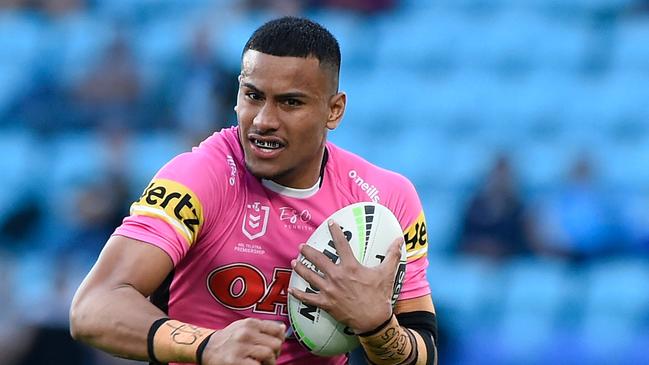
x=175, y=204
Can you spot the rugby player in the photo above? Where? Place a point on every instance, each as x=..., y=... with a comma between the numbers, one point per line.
x=199, y=271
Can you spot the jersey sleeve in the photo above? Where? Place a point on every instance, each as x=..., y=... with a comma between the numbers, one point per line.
x=175, y=207
x=408, y=209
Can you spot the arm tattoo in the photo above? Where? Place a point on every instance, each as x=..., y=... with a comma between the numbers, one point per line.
x=185, y=334
x=391, y=345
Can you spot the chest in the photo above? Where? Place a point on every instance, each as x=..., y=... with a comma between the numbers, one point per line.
x=247, y=260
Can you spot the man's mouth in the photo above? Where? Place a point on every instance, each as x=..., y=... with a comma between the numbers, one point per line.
x=266, y=145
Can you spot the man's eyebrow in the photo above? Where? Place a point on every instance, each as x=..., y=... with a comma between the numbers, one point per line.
x=252, y=87
x=288, y=95
x=295, y=94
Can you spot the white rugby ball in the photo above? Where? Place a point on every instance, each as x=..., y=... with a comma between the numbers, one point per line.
x=370, y=228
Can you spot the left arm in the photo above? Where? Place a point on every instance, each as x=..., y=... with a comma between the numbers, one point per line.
x=408, y=337
x=359, y=297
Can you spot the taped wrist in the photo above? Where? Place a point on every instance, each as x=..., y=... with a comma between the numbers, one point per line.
x=174, y=341
x=389, y=344
x=423, y=324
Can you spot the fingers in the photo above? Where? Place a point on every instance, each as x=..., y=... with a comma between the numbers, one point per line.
x=317, y=258
x=272, y=328
x=307, y=274
x=393, y=256
x=308, y=298
x=340, y=242
x=261, y=332
x=262, y=354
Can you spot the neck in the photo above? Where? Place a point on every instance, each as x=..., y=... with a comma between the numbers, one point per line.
x=303, y=178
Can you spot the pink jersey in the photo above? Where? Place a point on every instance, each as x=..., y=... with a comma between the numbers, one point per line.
x=232, y=236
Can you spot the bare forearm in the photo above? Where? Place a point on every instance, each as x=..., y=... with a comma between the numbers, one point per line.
x=116, y=321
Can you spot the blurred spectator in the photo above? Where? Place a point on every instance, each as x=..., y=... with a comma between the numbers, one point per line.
x=201, y=88
x=46, y=108
x=12, y=4
x=579, y=222
x=364, y=6
x=60, y=8
x=49, y=338
x=279, y=7
x=494, y=224
x=112, y=89
x=14, y=336
x=19, y=229
x=636, y=219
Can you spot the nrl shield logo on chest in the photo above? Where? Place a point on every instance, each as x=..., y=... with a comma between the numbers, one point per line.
x=255, y=220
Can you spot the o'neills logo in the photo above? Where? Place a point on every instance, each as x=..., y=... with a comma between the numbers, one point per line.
x=233, y=170
x=371, y=190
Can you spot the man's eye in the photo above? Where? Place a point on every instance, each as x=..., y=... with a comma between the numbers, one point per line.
x=292, y=102
x=254, y=96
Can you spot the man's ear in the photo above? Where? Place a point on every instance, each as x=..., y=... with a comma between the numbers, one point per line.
x=337, y=105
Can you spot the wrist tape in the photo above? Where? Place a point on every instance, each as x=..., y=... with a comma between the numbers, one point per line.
x=170, y=340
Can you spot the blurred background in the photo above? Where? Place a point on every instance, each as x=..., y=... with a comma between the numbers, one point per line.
x=524, y=125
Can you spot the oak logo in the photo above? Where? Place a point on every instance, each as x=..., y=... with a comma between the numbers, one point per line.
x=255, y=220
x=242, y=286
x=175, y=204
x=416, y=238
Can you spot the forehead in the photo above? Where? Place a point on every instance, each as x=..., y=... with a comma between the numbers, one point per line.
x=275, y=74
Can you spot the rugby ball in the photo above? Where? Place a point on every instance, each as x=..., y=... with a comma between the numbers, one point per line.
x=370, y=229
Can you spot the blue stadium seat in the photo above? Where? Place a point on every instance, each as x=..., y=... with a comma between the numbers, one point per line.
x=491, y=44
x=615, y=306
x=161, y=41
x=464, y=289
x=421, y=40
x=76, y=155
x=356, y=35
x=19, y=163
x=79, y=42
x=543, y=163
x=631, y=50
x=13, y=84
x=148, y=153
x=443, y=215
x=19, y=54
x=25, y=40
x=536, y=286
x=232, y=32
x=622, y=162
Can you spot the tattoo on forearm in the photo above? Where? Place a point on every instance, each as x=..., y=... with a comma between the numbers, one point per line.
x=393, y=345
x=185, y=334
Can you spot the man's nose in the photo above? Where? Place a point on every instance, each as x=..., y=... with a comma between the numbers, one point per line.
x=267, y=118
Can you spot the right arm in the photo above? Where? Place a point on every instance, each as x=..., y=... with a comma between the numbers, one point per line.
x=110, y=311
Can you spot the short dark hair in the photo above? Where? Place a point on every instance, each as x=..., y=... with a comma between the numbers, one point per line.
x=296, y=37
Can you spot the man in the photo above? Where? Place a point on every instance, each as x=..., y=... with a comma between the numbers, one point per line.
x=213, y=238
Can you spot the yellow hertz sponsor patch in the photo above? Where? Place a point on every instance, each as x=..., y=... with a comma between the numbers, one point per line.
x=416, y=238
x=175, y=204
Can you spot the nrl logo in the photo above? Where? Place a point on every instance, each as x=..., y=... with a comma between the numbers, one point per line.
x=255, y=220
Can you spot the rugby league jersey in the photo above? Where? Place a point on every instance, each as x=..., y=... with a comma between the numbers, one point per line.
x=232, y=236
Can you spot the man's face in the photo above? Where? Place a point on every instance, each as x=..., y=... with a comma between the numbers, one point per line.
x=285, y=106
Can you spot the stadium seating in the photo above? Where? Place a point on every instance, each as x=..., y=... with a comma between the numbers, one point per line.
x=436, y=89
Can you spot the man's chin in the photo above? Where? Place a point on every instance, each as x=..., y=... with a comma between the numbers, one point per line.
x=262, y=172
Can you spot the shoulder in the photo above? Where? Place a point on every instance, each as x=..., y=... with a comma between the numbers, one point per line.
x=367, y=181
x=381, y=185
x=195, y=182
